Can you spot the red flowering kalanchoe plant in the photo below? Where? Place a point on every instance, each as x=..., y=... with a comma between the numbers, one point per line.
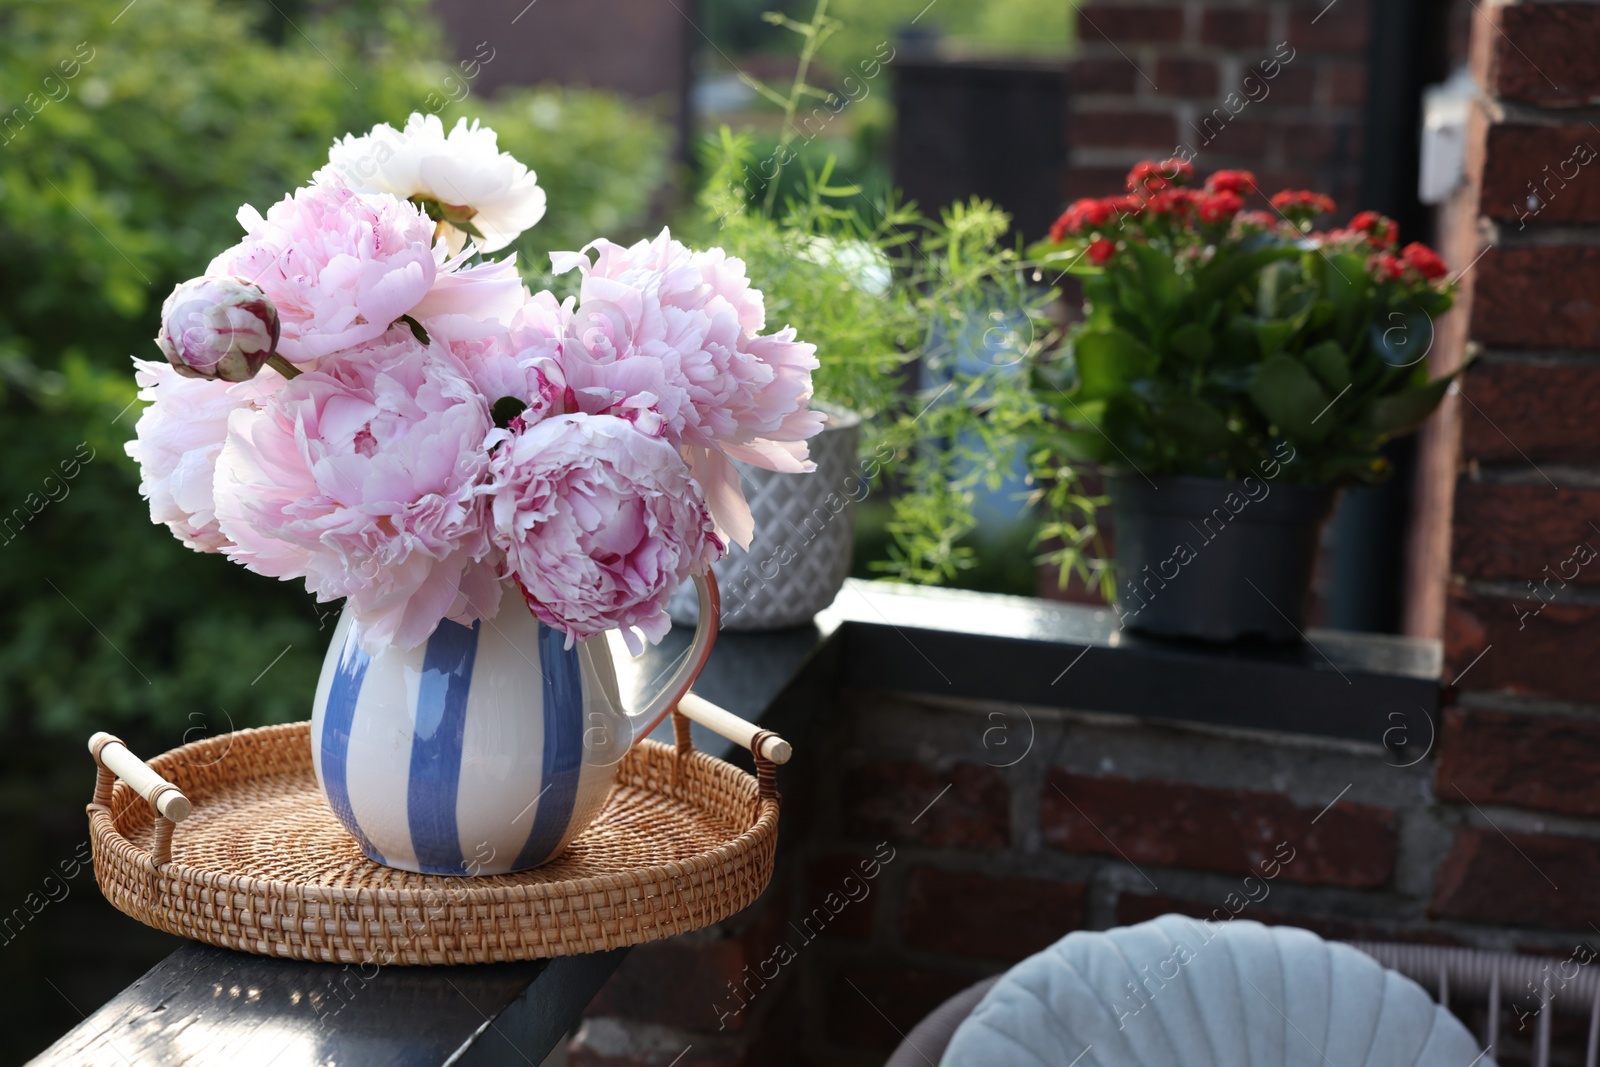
x=1218, y=324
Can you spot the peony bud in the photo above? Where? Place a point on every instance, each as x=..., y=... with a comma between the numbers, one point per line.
x=222, y=328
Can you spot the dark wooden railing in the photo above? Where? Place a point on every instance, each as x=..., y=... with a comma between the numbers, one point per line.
x=203, y=1005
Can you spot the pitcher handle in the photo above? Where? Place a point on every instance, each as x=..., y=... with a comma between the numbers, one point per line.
x=649, y=717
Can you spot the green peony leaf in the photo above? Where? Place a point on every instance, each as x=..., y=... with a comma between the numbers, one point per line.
x=416, y=328
x=505, y=409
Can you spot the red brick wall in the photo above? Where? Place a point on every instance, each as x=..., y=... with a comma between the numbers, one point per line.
x=636, y=47
x=992, y=830
x=1152, y=79
x=639, y=48
x=1509, y=544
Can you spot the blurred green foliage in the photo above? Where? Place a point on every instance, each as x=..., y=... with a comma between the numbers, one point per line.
x=853, y=161
x=736, y=26
x=1004, y=557
x=856, y=43
x=924, y=325
x=129, y=137
x=1016, y=26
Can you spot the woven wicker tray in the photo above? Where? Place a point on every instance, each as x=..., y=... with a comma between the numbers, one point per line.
x=261, y=864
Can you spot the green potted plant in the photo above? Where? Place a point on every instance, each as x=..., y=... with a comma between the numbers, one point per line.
x=925, y=327
x=886, y=294
x=1232, y=370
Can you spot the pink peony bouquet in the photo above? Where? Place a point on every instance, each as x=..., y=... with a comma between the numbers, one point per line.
x=354, y=396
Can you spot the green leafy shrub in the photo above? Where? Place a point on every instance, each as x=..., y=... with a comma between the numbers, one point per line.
x=128, y=139
x=999, y=25
x=924, y=326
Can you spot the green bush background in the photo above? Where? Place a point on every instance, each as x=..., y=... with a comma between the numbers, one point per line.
x=126, y=181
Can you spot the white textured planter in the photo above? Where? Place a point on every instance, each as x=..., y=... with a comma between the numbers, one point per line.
x=805, y=531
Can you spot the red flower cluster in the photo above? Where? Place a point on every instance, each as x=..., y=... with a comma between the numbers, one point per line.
x=1220, y=207
x=1086, y=213
x=1239, y=182
x=1158, y=194
x=1206, y=206
x=1260, y=220
x=1302, y=203
x=1388, y=267
x=1171, y=202
x=1157, y=189
x=1381, y=231
x=1424, y=260
x=1152, y=177
x=1090, y=214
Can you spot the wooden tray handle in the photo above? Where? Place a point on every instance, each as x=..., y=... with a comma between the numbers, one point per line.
x=767, y=747
x=113, y=760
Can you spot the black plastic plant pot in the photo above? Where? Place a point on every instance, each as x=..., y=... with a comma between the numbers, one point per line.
x=1216, y=560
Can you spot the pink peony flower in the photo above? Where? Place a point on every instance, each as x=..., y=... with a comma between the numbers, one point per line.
x=222, y=328
x=363, y=479
x=531, y=376
x=537, y=338
x=339, y=266
x=489, y=290
x=177, y=440
x=599, y=523
x=684, y=327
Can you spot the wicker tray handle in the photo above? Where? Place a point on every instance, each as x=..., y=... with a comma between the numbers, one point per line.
x=114, y=760
x=767, y=747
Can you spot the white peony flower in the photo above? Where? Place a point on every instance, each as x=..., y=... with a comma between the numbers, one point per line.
x=463, y=180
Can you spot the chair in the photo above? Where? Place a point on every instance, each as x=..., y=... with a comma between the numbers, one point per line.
x=1497, y=980
x=1180, y=993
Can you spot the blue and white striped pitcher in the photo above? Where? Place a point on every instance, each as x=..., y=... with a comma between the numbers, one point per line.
x=485, y=750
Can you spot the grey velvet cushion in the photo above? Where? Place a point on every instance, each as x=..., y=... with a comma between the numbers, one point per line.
x=1175, y=992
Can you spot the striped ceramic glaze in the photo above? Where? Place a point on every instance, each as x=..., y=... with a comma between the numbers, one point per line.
x=485, y=750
